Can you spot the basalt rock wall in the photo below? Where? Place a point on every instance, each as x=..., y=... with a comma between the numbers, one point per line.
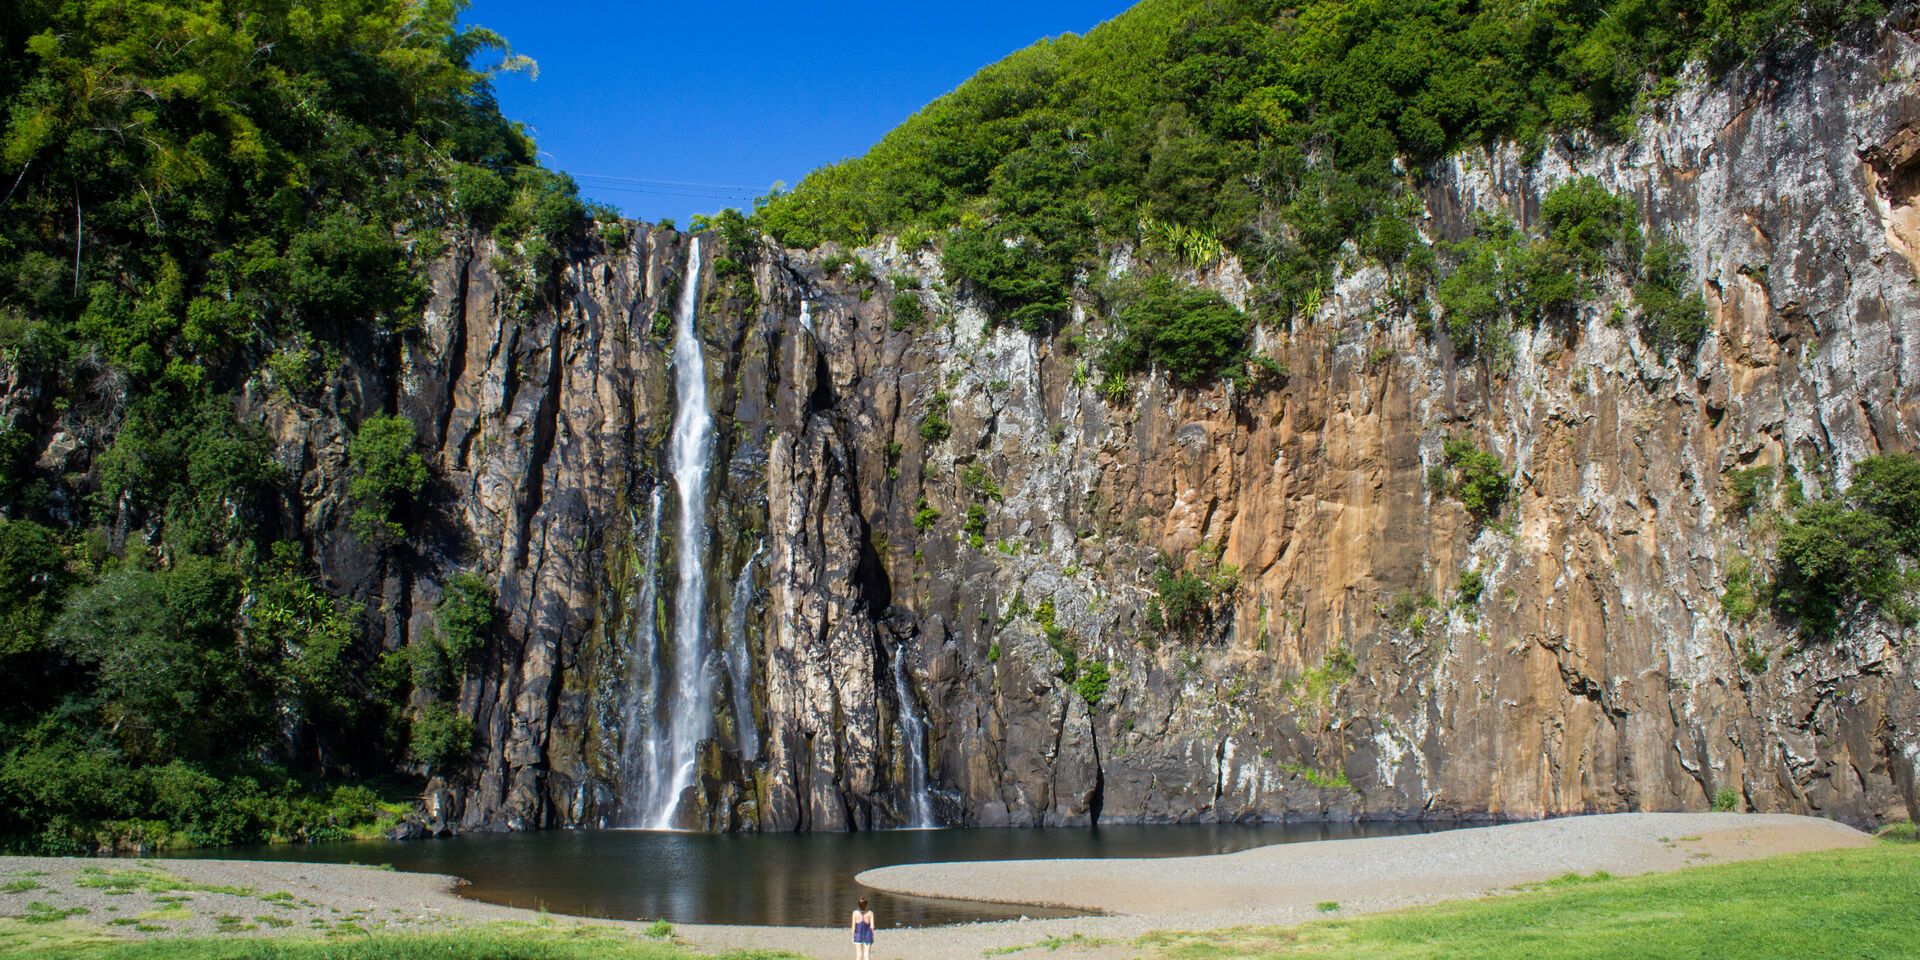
x=1596, y=670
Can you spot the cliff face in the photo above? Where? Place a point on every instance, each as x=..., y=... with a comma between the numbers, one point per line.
x=1596, y=671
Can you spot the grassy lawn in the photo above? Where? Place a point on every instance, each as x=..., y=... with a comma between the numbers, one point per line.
x=503, y=942
x=1861, y=904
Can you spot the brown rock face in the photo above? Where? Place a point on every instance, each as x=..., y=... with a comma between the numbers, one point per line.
x=1014, y=558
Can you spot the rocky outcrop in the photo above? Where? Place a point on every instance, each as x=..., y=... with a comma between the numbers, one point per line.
x=1012, y=556
x=1596, y=672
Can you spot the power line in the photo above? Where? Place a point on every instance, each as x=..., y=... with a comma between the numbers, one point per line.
x=725, y=193
x=594, y=188
x=663, y=183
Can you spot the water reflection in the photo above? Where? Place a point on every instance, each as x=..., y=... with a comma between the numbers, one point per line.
x=777, y=879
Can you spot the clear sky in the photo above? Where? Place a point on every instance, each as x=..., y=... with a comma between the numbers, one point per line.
x=741, y=94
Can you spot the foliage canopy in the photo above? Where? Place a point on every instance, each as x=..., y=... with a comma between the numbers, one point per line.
x=1282, y=130
x=189, y=188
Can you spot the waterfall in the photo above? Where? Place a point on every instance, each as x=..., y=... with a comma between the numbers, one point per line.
x=806, y=315
x=687, y=715
x=740, y=661
x=913, y=741
x=639, y=707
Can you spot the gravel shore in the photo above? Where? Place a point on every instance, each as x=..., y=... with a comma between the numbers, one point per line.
x=1280, y=884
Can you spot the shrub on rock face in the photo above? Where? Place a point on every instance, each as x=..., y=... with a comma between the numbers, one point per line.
x=1195, y=334
x=1478, y=482
x=1189, y=596
x=935, y=427
x=1673, y=317
x=1024, y=287
x=465, y=614
x=1469, y=588
x=1851, y=555
x=441, y=736
x=924, y=516
x=908, y=314
x=1749, y=487
x=1092, y=683
x=975, y=526
x=390, y=474
x=1590, y=226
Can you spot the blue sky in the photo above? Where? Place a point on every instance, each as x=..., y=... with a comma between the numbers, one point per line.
x=730, y=95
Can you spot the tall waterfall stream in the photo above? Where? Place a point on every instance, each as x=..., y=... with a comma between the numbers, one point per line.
x=672, y=686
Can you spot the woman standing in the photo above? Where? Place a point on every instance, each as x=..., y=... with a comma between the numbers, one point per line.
x=862, y=931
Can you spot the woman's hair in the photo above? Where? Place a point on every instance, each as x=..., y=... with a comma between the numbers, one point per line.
x=863, y=903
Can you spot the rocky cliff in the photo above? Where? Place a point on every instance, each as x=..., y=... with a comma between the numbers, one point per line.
x=1336, y=667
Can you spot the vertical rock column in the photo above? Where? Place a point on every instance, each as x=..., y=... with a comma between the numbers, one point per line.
x=822, y=699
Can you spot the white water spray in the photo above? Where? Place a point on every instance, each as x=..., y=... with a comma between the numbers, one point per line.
x=740, y=661
x=913, y=740
x=687, y=715
x=639, y=727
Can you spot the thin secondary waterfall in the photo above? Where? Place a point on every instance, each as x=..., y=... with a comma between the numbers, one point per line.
x=913, y=741
x=740, y=661
x=687, y=715
x=640, y=706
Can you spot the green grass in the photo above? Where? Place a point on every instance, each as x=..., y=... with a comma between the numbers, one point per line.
x=1904, y=832
x=1050, y=944
x=41, y=912
x=1335, y=779
x=19, y=885
x=1854, y=903
x=152, y=881
x=568, y=943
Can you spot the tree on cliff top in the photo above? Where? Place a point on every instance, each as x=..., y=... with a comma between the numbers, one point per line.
x=187, y=179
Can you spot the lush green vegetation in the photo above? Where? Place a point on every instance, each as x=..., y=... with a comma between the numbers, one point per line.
x=1852, y=555
x=1474, y=477
x=908, y=312
x=1748, y=488
x=1467, y=591
x=1194, y=334
x=1757, y=910
x=1502, y=278
x=1190, y=596
x=389, y=475
x=934, y=425
x=192, y=193
x=1282, y=131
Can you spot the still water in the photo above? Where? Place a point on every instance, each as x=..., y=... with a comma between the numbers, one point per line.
x=779, y=879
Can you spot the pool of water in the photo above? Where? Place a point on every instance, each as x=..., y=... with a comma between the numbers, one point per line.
x=782, y=879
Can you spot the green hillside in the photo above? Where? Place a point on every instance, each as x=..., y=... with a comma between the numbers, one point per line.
x=190, y=192
x=1279, y=130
